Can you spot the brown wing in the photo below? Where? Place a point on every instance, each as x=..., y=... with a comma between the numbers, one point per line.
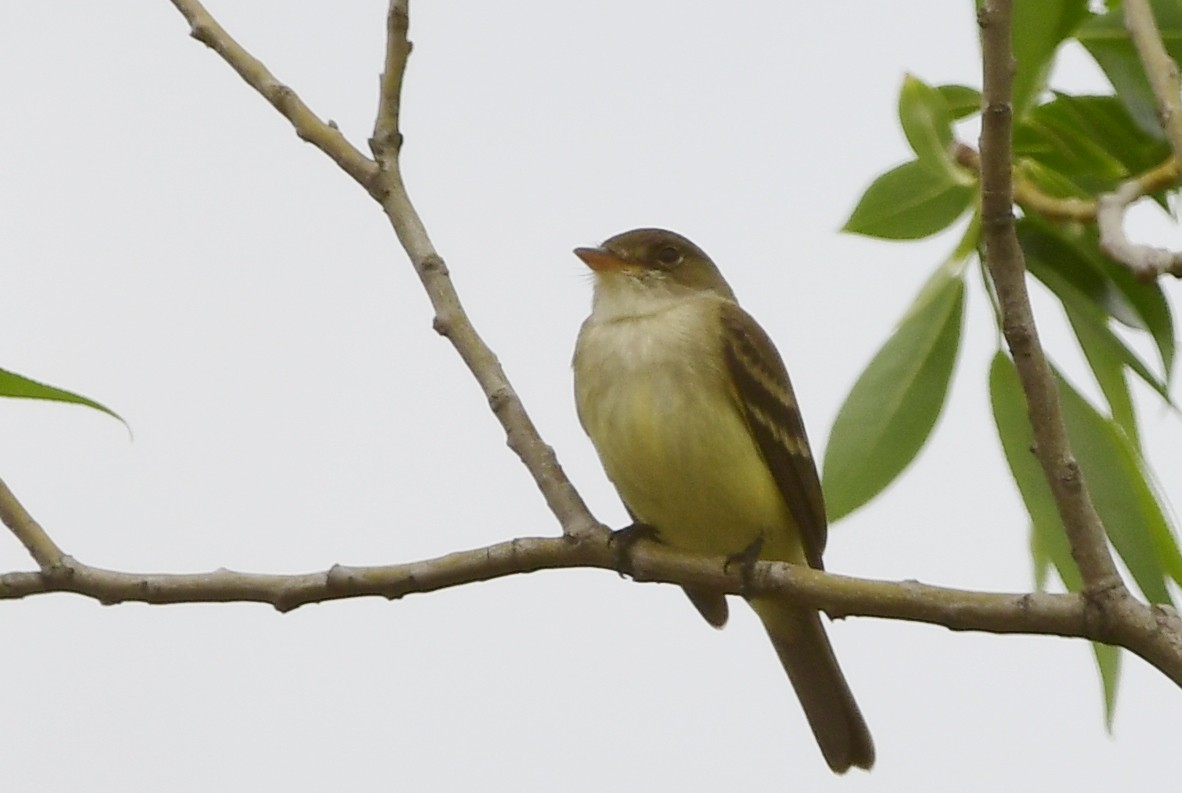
x=769, y=405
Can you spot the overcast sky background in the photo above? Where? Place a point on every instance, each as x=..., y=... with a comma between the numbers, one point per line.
x=170, y=248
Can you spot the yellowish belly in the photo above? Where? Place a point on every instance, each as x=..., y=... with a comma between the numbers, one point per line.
x=677, y=449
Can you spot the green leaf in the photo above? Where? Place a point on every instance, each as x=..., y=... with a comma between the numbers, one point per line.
x=909, y=202
x=1108, y=663
x=893, y=406
x=1106, y=353
x=1127, y=504
x=1102, y=350
x=1090, y=140
x=14, y=385
x=1073, y=253
x=1107, y=41
x=927, y=123
x=1048, y=540
x=1039, y=27
x=962, y=101
x=1048, y=247
x=1148, y=301
x=1050, y=181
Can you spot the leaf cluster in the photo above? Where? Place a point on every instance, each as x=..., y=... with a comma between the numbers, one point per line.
x=1068, y=150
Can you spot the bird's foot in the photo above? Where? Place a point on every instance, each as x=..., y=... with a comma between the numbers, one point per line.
x=624, y=539
x=745, y=560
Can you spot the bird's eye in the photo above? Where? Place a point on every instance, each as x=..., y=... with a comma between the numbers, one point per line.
x=669, y=256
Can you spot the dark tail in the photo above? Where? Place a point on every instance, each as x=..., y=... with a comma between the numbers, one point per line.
x=829, y=706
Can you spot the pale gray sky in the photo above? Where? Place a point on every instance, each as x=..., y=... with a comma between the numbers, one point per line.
x=170, y=248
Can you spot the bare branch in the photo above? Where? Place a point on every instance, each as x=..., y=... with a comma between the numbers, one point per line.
x=1089, y=544
x=383, y=180
x=1145, y=262
x=39, y=544
x=840, y=596
x=450, y=318
x=308, y=125
x=387, y=140
x=1155, y=636
x=1159, y=67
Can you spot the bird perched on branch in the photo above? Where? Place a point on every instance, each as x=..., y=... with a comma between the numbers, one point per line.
x=690, y=408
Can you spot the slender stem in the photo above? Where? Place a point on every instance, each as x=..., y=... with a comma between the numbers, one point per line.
x=451, y=320
x=41, y=547
x=1159, y=68
x=309, y=126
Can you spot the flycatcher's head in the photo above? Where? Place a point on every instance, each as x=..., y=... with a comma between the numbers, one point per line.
x=654, y=258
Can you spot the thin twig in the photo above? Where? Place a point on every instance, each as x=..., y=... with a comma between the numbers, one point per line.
x=1145, y=262
x=41, y=547
x=387, y=139
x=1159, y=67
x=451, y=320
x=382, y=178
x=308, y=125
x=1029, y=196
x=1089, y=545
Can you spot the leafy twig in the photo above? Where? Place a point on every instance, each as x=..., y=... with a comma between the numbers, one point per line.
x=1154, y=632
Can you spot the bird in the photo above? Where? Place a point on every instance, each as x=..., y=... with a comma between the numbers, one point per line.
x=689, y=406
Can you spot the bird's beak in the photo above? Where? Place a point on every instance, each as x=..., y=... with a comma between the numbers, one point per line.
x=600, y=260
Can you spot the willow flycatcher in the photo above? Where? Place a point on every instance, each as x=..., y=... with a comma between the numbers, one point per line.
x=690, y=408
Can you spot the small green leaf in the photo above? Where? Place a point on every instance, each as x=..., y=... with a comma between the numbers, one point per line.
x=926, y=121
x=1108, y=663
x=909, y=202
x=14, y=385
x=893, y=406
x=962, y=101
x=1039, y=27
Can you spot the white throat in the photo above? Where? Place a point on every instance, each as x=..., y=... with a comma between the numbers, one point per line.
x=626, y=296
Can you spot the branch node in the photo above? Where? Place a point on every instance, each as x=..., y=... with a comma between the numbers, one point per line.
x=433, y=264
x=203, y=33
x=339, y=578
x=499, y=398
x=61, y=571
